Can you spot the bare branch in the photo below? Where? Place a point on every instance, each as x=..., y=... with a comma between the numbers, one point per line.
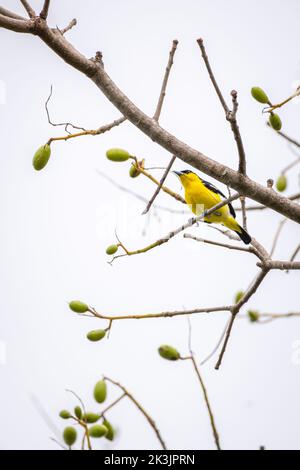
x=72, y=23
x=231, y=117
x=100, y=130
x=276, y=237
x=211, y=75
x=44, y=12
x=11, y=14
x=160, y=184
x=236, y=308
x=249, y=249
x=288, y=138
x=205, y=394
x=28, y=8
x=294, y=197
x=175, y=232
x=281, y=265
x=16, y=25
x=167, y=314
x=138, y=196
x=165, y=81
x=96, y=73
x=141, y=409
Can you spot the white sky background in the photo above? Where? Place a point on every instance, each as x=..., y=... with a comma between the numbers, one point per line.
x=57, y=223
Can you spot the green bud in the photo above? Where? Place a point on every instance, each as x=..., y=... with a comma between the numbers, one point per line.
x=281, y=183
x=65, y=414
x=111, y=249
x=110, y=430
x=91, y=417
x=78, y=306
x=100, y=391
x=98, y=430
x=238, y=296
x=41, y=157
x=96, y=335
x=253, y=315
x=117, y=155
x=134, y=172
x=168, y=352
x=78, y=412
x=259, y=95
x=275, y=121
x=69, y=435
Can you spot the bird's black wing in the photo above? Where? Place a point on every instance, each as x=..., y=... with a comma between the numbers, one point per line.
x=212, y=188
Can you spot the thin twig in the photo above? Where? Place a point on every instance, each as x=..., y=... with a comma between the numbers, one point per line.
x=138, y=196
x=100, y=130
x=276, y=237
x=231, y=117
x=202, y=384
x=211, y=75
x=160, y=185
x=234, y=311
x=175, y=232
x=249, y=249
x=216, y=347
x=166, y=314
x=288, y=138
x=165, y=81
x=141, y=409
x=72, y=23
x=230, y=114
x=65, y=124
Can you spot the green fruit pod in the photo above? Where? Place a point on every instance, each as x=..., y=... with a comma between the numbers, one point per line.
x=100, y=391
x=134, y=172
x=168, y=352
x=238, y=296
x=69, y=435
x=97, y=431
x=275, y=121
x=253, y=315
x=259, y=95
x=112, y=249
x=78, y=306
x=117, y=155
x=96, y=335
x=41, y=157
x=91, y=417
x=281, y=183
x=78, y=412
x=65, y=414
x=110, y=430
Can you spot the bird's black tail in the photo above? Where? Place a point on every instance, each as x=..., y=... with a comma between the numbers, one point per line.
x=244, y=236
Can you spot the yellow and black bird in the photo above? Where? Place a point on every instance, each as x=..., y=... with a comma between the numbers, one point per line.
x=200, y=195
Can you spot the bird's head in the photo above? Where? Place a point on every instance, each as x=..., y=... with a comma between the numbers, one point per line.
x=186, y=177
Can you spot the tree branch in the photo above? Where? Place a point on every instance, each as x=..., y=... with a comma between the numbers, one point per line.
x=222, y=173
x=44, y=12
x=205, y=394
x=236, y=308
x=16, y=25
x=175, y=232
x=28, y=8
x=11, y=14
x=165, y=81
x=141, y=409
x=160, y=184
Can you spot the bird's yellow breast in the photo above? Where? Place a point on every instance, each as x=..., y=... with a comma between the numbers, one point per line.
x=200, y=198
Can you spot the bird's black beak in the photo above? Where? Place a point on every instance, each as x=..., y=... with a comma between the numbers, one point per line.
x=177, y=173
